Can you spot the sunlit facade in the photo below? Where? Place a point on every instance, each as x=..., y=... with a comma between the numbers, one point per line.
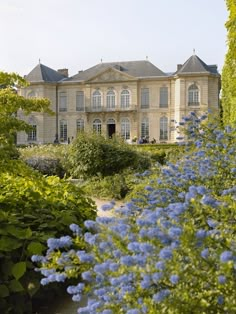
x=133, y=99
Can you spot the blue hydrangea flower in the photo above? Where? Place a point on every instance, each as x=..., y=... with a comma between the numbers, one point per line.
x=226, y=256
x=222, y=279
x=220, y=299
x=76, y=229
x=201, y=233
x=205, y=253
x=165, y=253
x=174, y=279
x=160, y=296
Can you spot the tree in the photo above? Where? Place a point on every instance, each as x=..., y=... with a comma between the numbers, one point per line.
x=229, y=69
x=10, y=103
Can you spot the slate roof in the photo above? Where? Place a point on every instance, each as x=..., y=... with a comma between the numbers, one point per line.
x=42, y=73
x=195, y=65
x=138, y=69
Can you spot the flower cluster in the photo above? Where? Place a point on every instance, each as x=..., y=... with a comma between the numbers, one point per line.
x=176, y=254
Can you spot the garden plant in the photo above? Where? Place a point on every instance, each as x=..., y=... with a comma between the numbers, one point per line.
x=32, y=207
x=170, y=250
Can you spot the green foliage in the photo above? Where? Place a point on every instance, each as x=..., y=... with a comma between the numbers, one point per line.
x=45, y=158
x=10, y=103
x=47, y=166
x=109, y=187
x=92, y=154
x=49, y=151
x=32, y=209
x=160, y=153
x=229, y=69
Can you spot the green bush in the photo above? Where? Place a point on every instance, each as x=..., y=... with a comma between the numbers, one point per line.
x=160, y=153
x=32, y=209
x=92, y=154
x=109, y=187
x=47, y=166
x=47, y=159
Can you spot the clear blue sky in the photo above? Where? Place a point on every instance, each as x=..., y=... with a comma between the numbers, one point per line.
x=77, y=34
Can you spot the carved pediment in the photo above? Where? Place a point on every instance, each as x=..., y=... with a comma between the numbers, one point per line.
x=111, y=75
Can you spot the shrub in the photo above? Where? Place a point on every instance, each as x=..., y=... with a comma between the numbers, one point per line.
x=174, y=254
x=47, y=159
x=47, y=166
x=160, y=153
x=109, y=187
x=32, y=209
x=92, y=154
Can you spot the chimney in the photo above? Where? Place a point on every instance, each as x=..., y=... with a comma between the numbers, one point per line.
x=63, y=72
x=80, y=71
x=179, y=66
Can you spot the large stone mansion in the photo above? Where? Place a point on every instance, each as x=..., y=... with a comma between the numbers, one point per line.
x=133, y=99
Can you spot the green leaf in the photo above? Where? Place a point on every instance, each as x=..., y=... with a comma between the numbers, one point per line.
x=9, y=244
x=18, y=270
x=19, y=232
x=4, y=292
x=15, y=286
x=35, y=248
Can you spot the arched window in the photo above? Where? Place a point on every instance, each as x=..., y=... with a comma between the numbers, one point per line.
x=163, y=128
x=193, y=95
x=125, y=128
x=63, y=131
x=32, y=94
x=80, y=125
x=97, y=100
x=125, y=99
x=97, y=126
x=145, y=128
x=111, y=99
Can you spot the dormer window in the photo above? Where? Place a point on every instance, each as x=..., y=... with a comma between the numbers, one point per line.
x=193, y=95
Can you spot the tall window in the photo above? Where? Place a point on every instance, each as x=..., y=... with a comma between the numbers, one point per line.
x=63, y=131
x=111, y=98
x=163, y=128
x=125, y=128
x=80, y=101
x=164, y=97
x=32, y=134
x=96, y=100
x=125, y=99
x=144, y=97
x=97, y=126
x=193, y=95
x=145, y=128
x=80, y=125
x=62, y=102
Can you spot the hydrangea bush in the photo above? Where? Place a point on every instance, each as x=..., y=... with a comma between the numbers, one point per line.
x=171, y=250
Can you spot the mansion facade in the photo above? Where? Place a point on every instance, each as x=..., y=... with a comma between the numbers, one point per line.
x=133, y=99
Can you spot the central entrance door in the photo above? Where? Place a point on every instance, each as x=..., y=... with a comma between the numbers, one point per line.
x=111, y=127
